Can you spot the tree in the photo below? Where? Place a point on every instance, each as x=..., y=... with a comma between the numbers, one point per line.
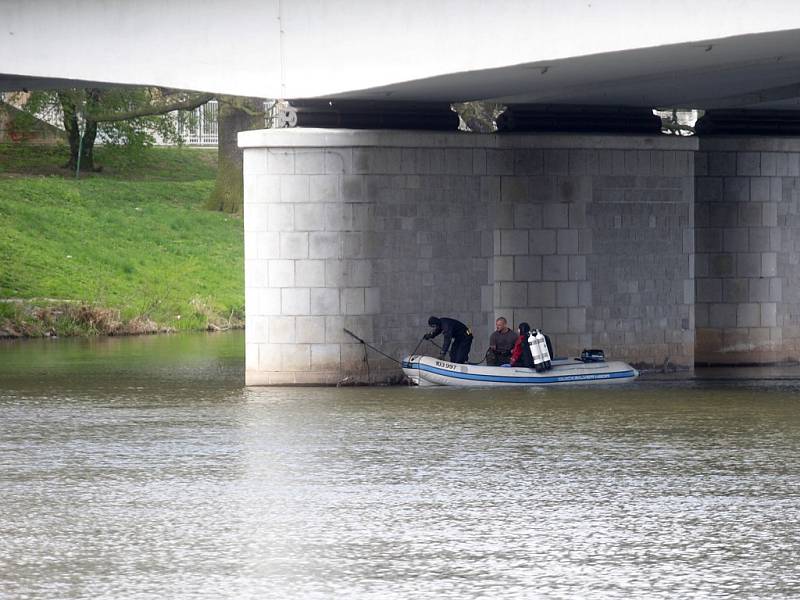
x=132, y=115
x=676, y=121
x=81, y=144
x=235, y=114
x=478, y=116
x=123, y=115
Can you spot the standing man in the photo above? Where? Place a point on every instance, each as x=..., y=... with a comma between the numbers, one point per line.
x=455, y=331
x=501, y=343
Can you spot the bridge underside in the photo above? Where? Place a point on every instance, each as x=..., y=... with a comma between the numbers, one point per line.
x=609, y=54
x=756, y=71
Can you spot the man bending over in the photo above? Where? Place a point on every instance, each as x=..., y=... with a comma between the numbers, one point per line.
x=453, y=331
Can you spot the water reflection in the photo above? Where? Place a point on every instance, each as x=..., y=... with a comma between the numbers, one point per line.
x=146, y=470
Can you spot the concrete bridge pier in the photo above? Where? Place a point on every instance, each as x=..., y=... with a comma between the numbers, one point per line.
x=748, y=260
x=589, y=236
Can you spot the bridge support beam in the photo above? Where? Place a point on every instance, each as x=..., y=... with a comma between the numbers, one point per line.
x=589, y=236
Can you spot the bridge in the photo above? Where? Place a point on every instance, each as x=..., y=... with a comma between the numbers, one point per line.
x=578, y=216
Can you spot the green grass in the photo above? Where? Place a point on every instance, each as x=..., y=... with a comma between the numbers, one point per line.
x=134, y=238
x=156, y=163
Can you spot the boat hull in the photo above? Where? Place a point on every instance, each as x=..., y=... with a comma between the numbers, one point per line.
x=428, y=371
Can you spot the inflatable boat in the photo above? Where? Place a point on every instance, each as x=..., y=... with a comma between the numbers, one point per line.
x=428, y=371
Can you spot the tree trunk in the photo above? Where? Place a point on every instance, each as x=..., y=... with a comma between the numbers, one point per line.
x=235, y=115
x=86, y=146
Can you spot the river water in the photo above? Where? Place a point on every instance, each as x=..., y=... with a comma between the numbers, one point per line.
x=142, y=468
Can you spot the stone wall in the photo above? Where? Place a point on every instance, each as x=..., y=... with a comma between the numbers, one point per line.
x=595, y=244
x=748, y=262
x=589, y=237
x=369, y=237
x=35, y=131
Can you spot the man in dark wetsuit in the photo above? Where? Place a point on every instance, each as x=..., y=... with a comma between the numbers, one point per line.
x=454, y=331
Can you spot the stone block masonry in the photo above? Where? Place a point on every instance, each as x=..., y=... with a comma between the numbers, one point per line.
x=595, y=246
x=589, y=237
x=365, y=235
x=747, y=264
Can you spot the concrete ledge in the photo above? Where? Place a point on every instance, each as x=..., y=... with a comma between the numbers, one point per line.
x=731, y=143
x=332, y=138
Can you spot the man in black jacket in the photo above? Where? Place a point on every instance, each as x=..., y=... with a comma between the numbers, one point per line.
x=454, y=331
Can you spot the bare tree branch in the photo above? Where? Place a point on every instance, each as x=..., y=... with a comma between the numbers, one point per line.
x=244, y=104
x=187, y=104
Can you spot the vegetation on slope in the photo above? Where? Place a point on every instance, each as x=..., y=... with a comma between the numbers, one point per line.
x=128, y=250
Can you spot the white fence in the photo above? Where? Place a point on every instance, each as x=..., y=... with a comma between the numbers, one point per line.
x=201, y=129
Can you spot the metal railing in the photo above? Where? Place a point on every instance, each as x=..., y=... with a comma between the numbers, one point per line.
x=201, y=128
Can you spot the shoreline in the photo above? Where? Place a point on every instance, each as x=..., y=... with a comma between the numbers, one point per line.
x=56, y=318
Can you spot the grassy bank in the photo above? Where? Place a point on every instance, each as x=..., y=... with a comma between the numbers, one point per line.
x=127, y=250
x=162, y=164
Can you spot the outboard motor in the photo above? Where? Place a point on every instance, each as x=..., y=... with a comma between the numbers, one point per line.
x=593, y=355
x=540, y=339
x=536, y=352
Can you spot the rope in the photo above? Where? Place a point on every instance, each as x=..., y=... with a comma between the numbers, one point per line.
x=366, y=345
x=370, y=346
x=418, y=345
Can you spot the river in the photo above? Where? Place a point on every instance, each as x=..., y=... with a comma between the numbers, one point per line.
x=142, y=468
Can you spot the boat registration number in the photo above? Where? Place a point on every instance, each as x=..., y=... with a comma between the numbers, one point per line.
x=444, y=365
